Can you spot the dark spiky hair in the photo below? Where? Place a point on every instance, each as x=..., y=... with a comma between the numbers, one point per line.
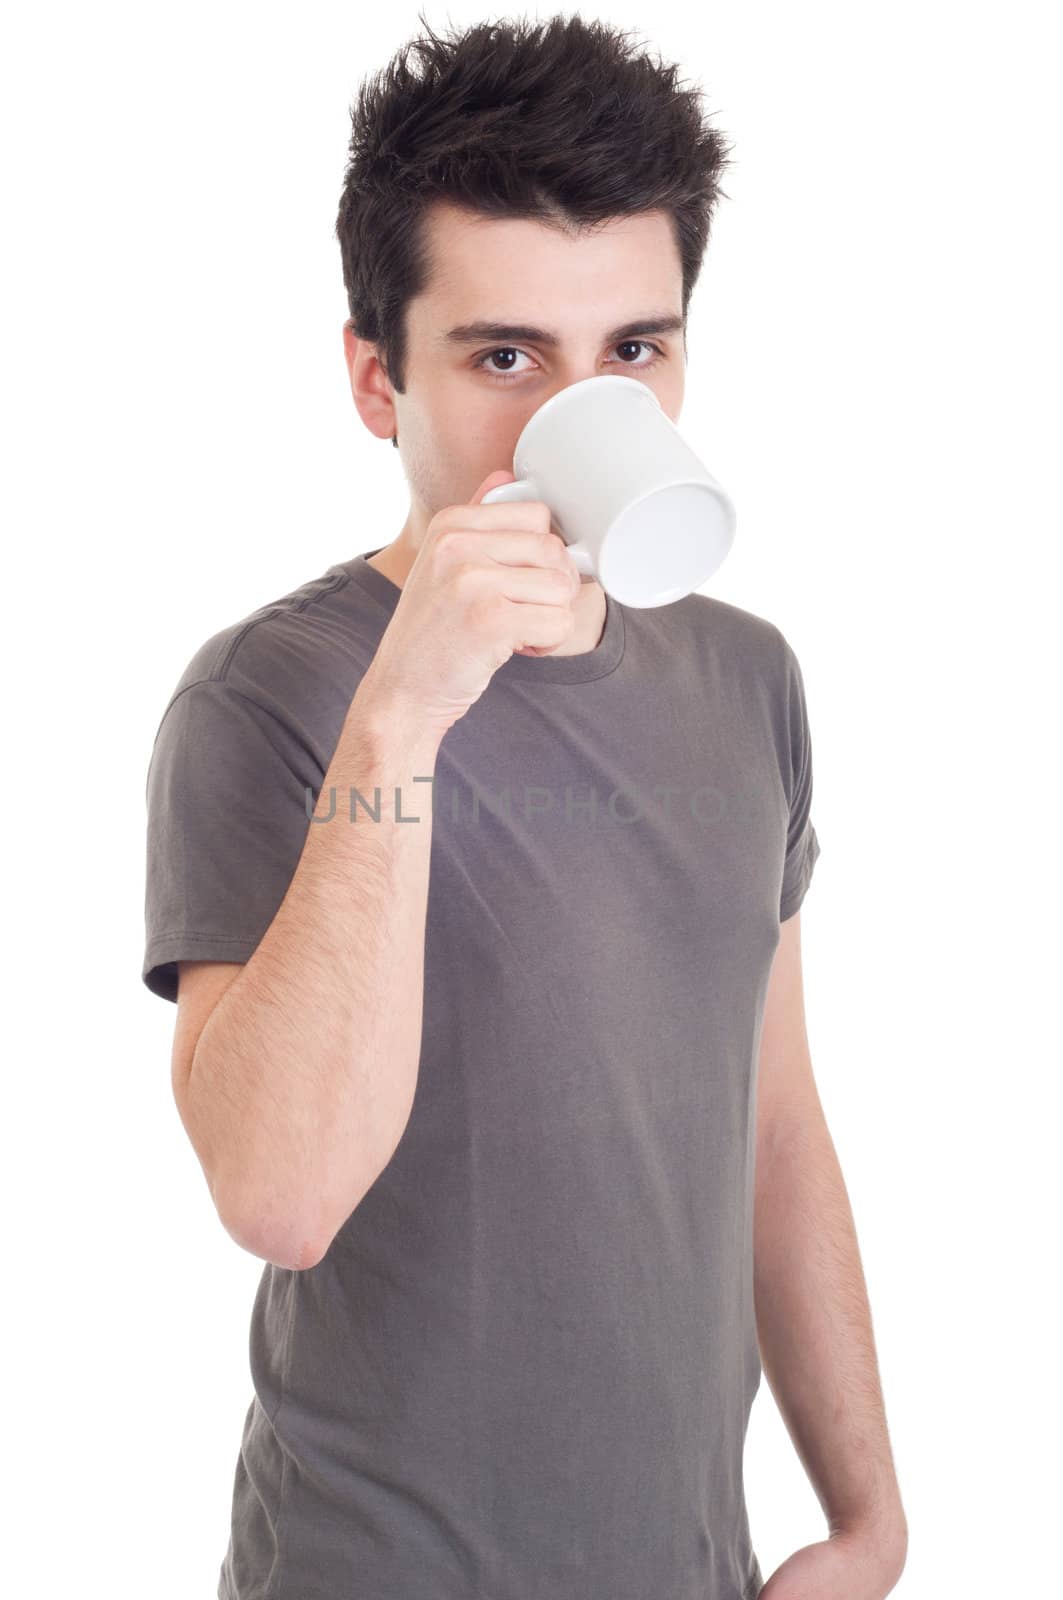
x=559, y=121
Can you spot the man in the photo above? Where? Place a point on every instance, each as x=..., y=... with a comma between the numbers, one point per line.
x=498, y=1059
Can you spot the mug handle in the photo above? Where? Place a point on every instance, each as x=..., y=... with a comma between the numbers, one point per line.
x=524, y=489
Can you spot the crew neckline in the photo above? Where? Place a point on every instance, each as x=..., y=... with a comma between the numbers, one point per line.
x=582, y=668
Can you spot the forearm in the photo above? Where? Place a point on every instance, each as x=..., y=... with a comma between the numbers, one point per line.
x=815, y=1332
x=306, y=1069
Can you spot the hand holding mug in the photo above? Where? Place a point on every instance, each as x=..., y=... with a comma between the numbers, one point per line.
x=636, y=508
x=487, y=582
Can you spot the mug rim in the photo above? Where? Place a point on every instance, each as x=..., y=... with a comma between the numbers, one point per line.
x=730, y=523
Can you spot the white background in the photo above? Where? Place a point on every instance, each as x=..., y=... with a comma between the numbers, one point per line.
x=874, y=375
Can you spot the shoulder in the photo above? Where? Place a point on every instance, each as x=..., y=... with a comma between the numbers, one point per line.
x=296, y=659
x=740, y=644
x=739, y=663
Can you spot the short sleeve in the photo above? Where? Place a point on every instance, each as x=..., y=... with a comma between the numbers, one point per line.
x=802, y=845
x=227, y=818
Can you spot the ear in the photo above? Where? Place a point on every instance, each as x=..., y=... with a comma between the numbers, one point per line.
x=370, y=387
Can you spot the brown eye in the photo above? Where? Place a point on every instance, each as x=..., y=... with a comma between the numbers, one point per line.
x=481, y=362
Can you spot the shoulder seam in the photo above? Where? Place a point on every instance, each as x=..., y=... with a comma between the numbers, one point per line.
x=219, y=674
x=251, y=701
x=275, y=610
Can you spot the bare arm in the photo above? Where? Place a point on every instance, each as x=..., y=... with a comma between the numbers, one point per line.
x=303, y=1077
x=813, y=1318
x=299, y=1086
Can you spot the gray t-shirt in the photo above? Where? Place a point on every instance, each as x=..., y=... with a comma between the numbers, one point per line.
x=524, y=1368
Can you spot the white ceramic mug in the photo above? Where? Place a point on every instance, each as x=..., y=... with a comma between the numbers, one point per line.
x=633, y=503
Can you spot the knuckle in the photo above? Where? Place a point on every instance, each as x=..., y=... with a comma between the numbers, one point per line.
x=450, y=538
x=443, y=521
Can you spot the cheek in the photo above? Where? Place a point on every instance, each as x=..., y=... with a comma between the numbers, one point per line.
x=477, y=427
x=670, y=394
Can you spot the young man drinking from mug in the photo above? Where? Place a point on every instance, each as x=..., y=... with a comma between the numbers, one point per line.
x=490, y=1034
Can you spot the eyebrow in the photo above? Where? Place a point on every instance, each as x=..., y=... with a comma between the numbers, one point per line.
x=507, y=332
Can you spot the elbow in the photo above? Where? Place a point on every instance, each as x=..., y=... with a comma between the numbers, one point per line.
x=283, y=1240
x=269, y=1224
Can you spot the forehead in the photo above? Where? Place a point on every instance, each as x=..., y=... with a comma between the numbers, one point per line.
x=520, y=266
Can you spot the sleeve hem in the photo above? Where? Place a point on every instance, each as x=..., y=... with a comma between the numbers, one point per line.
x=164, y=950
x=791, y=901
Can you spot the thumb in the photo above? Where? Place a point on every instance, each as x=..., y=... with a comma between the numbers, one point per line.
x=492, y=481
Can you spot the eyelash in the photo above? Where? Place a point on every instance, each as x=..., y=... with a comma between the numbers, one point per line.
x=512, y=377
